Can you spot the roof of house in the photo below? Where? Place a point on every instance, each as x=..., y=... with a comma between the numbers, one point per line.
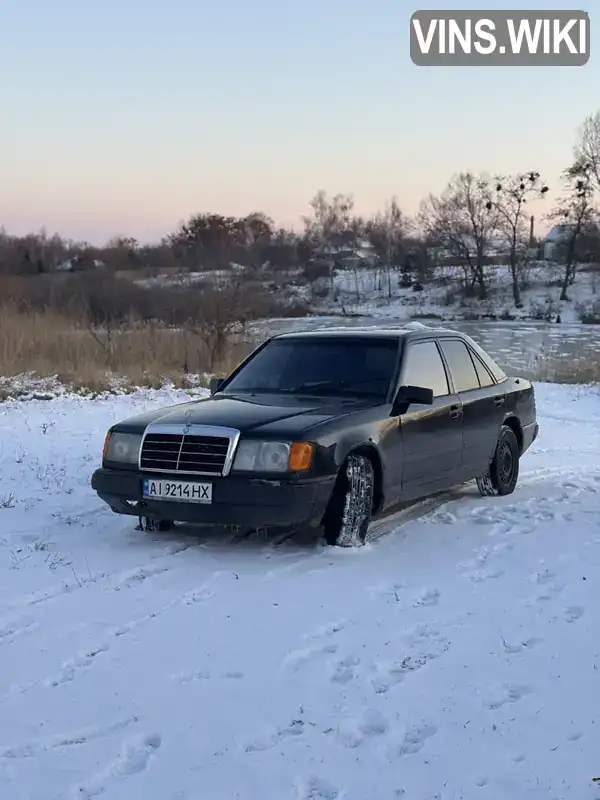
x=559, y=233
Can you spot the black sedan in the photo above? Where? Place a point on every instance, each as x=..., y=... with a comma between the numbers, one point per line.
x=325, y=428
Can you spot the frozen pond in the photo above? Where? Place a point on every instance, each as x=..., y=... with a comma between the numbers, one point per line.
x=533, y=349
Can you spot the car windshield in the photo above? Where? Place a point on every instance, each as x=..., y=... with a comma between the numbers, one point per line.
x=330, y=366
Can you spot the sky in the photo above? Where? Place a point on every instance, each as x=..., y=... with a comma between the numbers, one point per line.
x=123, y=117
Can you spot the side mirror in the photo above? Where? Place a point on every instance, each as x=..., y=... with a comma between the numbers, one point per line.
x=407, y=395
x=215, y=385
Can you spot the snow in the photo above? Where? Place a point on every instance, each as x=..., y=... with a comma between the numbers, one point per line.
x=456, y=656
x=369, y=291
x=366, y=292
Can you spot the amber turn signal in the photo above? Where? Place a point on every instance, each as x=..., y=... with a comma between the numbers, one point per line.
x=105, y=448
x=301, y=456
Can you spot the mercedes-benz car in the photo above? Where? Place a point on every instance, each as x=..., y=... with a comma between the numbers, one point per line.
x=326, y=428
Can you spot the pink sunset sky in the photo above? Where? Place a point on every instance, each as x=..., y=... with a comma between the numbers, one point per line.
x=128, y=117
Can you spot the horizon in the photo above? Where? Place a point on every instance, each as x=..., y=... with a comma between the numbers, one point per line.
x=125, y=119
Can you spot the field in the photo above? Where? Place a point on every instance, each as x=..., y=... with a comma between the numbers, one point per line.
x=455, y=656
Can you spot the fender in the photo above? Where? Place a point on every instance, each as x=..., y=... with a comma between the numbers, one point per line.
x=370, y=447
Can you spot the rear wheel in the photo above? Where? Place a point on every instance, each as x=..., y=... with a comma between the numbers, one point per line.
x=501, y=478
x=349, y=513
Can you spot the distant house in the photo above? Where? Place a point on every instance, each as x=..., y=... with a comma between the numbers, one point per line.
x=554, y=243
x=587, y=249
x=497, y=251
x=363, y=255
x=65, y=266
x=79, y=263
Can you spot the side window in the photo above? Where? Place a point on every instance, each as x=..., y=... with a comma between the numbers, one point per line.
x=489, y=362
x=485, y=379
x=424, y=367
x=461, y=365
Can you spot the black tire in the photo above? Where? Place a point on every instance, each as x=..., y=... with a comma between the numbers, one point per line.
x=152, y=525
x=503, y=474
x=349, y=513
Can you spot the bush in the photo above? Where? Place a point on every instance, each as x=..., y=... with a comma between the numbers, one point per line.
x=315, y=271
x=139, y=354
x=589, y=314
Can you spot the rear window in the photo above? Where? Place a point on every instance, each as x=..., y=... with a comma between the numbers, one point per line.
x=498, y=374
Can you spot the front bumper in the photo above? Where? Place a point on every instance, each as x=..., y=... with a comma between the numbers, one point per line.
x=236, y=500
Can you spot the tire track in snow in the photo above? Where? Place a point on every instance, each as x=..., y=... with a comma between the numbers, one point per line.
x=60, y=741
x=116, y=580
x=507, y=521
x=84, y=660
x=423, y=508
x=379, y=528
x=516, y=519
x=415, y=511
x=72, y=667
x=14, y=629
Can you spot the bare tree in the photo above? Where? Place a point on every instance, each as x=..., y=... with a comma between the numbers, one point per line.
x=387, y=232
x=332, y=221
x=208, y=241
x=587, y=148
x=576, y=213
x=460, y=220
x=216, y=315
x=257, y=231
x=121, y=253
x=32, y=254
x=508, y=202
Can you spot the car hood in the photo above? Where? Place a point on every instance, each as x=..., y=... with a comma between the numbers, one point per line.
x=272, y=414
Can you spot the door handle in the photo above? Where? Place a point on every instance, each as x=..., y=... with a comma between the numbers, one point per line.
x=500, y=400
x=455, y=412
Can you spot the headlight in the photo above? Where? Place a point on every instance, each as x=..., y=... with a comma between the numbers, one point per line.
x=256, y=456
x=122, y=447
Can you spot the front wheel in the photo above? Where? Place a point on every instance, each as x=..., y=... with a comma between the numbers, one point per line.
x=349, y=513
x=152, y=525
x=501, y=478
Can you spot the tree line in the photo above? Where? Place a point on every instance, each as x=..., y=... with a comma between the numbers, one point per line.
x=465, y=221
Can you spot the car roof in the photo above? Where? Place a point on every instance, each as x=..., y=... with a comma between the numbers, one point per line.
x=409, y=330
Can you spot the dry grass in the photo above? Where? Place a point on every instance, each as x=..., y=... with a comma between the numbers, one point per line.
x=49, y=344
x=562, y=369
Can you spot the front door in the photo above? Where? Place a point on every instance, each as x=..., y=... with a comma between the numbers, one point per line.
x=431, y=435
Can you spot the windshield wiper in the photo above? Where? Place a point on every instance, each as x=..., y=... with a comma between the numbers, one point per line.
x=329, y=385
x=302, y=387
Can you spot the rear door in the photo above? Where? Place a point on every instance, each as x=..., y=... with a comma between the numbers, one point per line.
x=431, y=435
x=482, y=402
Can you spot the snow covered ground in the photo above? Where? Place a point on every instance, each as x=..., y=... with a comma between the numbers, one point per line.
x=370, y=291
x=456, y=657
x=366, y=292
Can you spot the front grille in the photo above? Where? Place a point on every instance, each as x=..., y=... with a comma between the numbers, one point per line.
x=176, y=452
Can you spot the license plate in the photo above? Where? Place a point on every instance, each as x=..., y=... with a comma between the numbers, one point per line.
x=185, y=491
